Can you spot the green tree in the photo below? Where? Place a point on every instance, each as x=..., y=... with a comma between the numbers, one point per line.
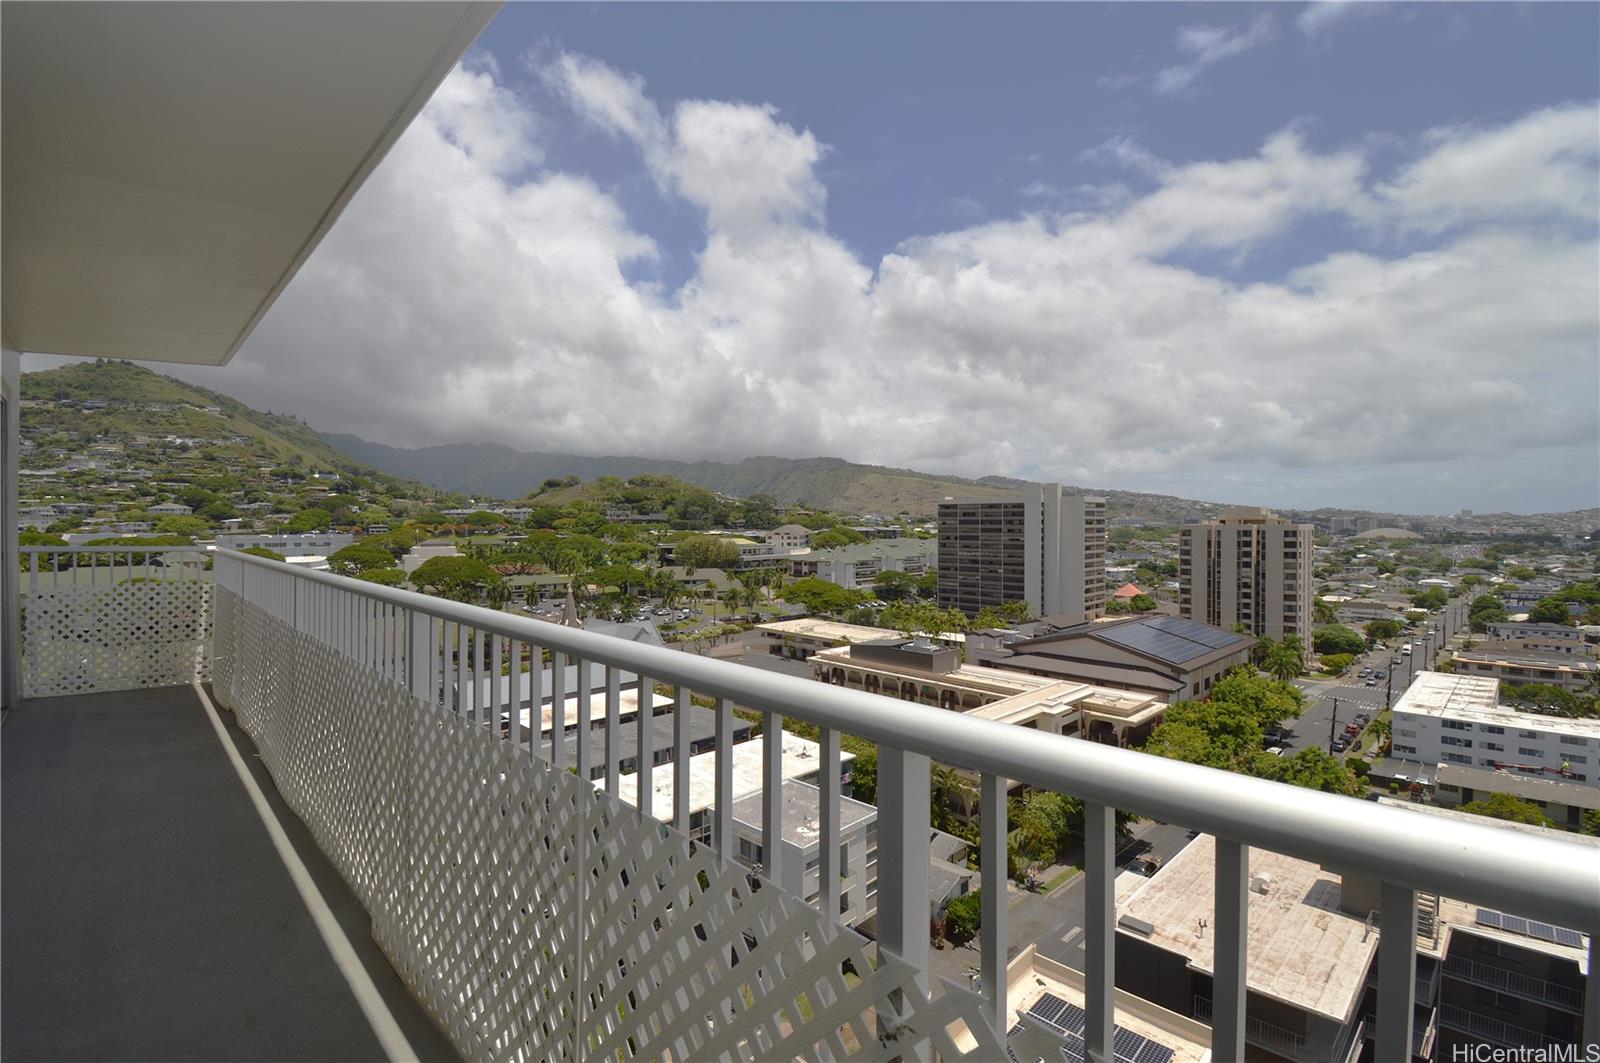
x=922, y=618
x=176, y=525
x=1336, y=638
x=963, y=917
x=893, y=586
x=695, y=552
x=1335, y=663
x=836, y=537
x=1549, y=611
x=308, y=520
x=1323, y=612
x=1142, y=603
x=358, y=557
x=1485, y=610
x=820, y=596
x=1430, y=599
x=1509, y=808
x=1286, y=660
x=388, y=577
x=464, y=579
x=1378, y=630
x=1311, y=768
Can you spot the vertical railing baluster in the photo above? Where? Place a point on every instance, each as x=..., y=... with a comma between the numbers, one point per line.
x=518, y=689
x=645, y=795
x=558, y=709
x=772, y=798
x=1397, y=970
x=535, y=698
x=496, y=699
x=992, y=861
x=582, y=683
x=613, y=719
x=681, y=789
x=462, y=655
x=828, y=864
x=722, y=791
x=1100, y=895
x=1231, y=922
x=903, y=831
x=418, y=664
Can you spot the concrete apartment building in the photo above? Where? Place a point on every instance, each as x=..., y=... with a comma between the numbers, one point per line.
x=1540, y=638
x=1315, y=936
x=1520, y=667
x=1248, y=567
x=1045, y=548
x=1450, y=719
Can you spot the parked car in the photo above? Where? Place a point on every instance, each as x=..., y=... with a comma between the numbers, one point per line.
x=1372, y=682
x=1340, y=745
x=1276, y=751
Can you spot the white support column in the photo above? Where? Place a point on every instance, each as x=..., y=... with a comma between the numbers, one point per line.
x=722, y=793
x=1099, y=926
x=1230, y=923
x=1591, y=991
x=903, y=832
x=992, y=936
x=828, y=814
x=1397, y=970
x=772, y=798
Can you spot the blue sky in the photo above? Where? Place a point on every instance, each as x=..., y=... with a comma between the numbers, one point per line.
x=954, y=113
x=1282, y=255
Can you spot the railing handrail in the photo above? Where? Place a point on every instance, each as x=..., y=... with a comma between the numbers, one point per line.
x=106, y=548
x=1478, y=863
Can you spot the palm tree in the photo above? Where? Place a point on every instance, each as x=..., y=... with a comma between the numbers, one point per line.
x=1286, y=660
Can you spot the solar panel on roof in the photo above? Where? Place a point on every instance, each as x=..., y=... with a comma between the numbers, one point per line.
x=1567, y=937
x=1068, y=1020
x=1533, y=928
x=1488, y=917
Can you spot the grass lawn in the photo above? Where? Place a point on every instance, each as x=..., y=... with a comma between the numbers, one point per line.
x=1057, y=881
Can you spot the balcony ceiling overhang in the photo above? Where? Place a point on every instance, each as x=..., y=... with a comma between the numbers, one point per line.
x=167, y=167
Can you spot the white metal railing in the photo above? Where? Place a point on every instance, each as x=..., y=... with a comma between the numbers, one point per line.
x=589, y=928
x=1539, y=990
x=1501, y=1033
x=1279, y=1040
x=100, y=618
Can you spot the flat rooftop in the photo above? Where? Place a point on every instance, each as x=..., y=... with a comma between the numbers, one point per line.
x=801, y=757
x=1515, y=658
x=834, y=631
x=1529, y=787
x=1303, y=950
x=1030, y=978
x=1476, y=699
x=802, y=813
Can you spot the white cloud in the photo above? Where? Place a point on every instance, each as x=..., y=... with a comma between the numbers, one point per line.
x=1546, y=166
x=464, y=296
x=1206, y=46
x=1319, y=15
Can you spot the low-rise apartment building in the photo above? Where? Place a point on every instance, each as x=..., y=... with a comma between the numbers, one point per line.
x=804, y=636
x=857, y=567
x=1540, y=638
x=1454, y=719
x=298, y=544
x=1517, y=668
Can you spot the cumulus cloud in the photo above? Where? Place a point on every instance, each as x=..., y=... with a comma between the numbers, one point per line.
x=1205, y=46
x=471, y=292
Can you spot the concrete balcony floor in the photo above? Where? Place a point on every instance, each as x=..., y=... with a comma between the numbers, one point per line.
x=147, y=914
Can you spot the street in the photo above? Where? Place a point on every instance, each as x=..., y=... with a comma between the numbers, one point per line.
x=1312, y=728
x=1054, y=922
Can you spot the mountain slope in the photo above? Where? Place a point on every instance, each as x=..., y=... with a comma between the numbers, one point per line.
x=144, y=402
x=489, y=469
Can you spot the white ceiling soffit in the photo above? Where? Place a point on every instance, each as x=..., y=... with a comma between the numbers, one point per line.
x=167, y=167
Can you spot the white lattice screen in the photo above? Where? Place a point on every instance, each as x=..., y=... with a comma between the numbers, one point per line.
x=534, y=915
x=85, y=639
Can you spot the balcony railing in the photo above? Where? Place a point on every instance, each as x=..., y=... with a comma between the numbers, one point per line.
x=1280, y=1041
x=1493, y=1030
x=1517, y=984
x=538, y=917
x=98, y=618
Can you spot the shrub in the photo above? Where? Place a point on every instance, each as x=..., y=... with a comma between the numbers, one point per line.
x=963, y=917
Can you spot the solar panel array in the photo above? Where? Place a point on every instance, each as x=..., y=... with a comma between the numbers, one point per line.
x=1532, y=928
x=1068, y=1020
x=1169, y=638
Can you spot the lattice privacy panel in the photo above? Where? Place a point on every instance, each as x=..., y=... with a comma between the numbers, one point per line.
x=80, y=640
x=540, y=919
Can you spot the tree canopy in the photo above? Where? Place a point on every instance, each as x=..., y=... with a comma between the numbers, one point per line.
x=1509, y=808
x=1336, y=638
x=464, y=579
x=706, y=551
x=358, y=557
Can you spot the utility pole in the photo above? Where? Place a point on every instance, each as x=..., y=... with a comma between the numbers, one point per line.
x=1388, y=688
x=1333, y=725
